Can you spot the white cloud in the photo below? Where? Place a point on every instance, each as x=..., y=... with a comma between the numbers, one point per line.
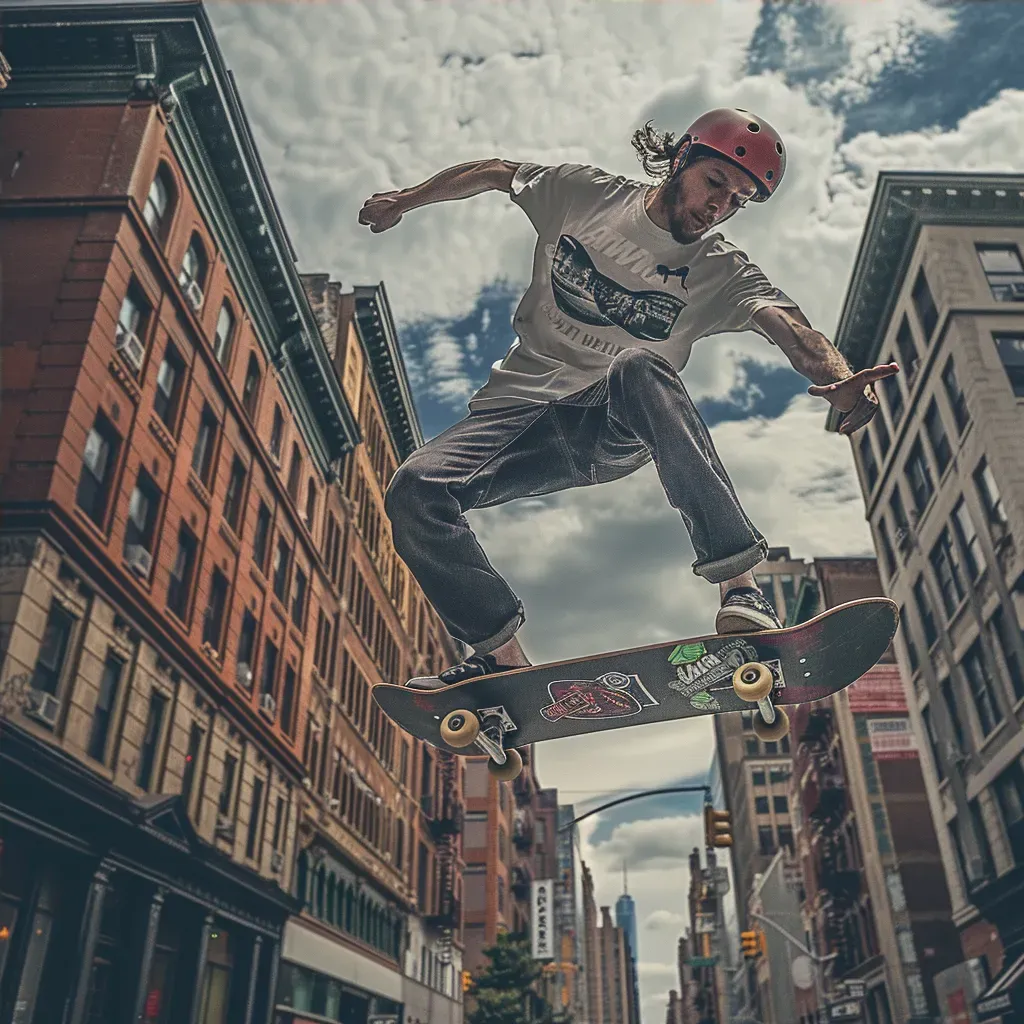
x=350, y=99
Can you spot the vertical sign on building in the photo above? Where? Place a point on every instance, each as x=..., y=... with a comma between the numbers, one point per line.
x=541, y=919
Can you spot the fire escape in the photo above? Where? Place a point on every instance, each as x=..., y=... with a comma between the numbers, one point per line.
x=825, y=803
x=444, y=820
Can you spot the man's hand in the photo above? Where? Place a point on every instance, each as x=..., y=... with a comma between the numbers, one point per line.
x=382, y=210
x=855, y=396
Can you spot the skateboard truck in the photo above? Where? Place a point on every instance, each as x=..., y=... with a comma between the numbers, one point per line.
x=486, y=728
x=753, y=682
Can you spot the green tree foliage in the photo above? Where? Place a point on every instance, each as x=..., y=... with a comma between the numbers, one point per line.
x=503, y=993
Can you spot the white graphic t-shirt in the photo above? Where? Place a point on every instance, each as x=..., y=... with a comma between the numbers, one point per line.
x=606, y=278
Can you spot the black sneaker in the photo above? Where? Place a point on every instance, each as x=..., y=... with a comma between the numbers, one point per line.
x=475, y=665
x=746, y=610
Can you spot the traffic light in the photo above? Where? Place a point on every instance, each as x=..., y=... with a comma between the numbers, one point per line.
x=717, y=827
x=467, y=981
x=753, y=944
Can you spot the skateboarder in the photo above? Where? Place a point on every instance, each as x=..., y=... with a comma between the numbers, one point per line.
x=626, y=277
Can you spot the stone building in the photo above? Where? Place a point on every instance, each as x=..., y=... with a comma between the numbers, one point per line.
x=938, y=286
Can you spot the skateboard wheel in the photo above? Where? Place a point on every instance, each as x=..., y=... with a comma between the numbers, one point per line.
x=460, y=728
x=771, y=733
x=510, y=769
x=752, y=681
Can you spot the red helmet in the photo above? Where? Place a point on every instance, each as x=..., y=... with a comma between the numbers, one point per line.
x=746, y=140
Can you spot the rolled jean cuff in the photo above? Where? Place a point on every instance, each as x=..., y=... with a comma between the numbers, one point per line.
x=728, y=568
x=503, y=635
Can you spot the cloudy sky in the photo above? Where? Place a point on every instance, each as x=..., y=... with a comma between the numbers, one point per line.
x=351, y=97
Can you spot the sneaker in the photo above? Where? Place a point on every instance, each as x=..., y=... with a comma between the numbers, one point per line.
x=746, y=610
x=475, y=665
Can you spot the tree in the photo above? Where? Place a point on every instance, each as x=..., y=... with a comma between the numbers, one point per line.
x=504, y=992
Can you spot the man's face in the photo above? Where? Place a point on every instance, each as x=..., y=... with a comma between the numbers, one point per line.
x=705, y=194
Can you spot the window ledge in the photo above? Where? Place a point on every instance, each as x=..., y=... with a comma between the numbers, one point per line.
x=198, y=488
x=159, y=430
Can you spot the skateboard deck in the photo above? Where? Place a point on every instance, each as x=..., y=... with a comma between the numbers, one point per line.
x=658, y=683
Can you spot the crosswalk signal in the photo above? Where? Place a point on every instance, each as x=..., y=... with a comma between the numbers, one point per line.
x=467, y=981
x=750, y=943
x=717, y=827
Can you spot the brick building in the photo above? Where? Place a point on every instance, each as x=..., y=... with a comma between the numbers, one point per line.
x=938, y=285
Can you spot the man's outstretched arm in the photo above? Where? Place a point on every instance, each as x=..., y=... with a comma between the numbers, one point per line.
x=813, y=355
x=385, y=209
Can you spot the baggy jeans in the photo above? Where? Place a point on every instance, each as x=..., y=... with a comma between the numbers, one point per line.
x=640, y=411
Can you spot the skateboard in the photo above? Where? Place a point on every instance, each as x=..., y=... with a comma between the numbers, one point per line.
x=709, y=675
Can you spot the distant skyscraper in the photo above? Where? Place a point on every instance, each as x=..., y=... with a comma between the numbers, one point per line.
x=625, y=918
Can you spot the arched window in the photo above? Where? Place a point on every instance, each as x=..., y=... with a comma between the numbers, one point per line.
x=159, y=203
x=400, y=846
x=193, y=273
x=310, y=504
x=225, y=335
x=321, y=885
x=331, y=893
x=349, y=924
x=251, y=388
x=361, y=925
x=302, y=879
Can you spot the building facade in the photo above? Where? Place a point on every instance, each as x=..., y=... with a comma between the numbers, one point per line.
x=938, y=286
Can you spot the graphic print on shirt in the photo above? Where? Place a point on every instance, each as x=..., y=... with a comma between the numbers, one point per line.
x=681, y=272
x=584, y=293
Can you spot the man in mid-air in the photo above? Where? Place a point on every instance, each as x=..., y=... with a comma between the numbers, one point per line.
x=626, y=277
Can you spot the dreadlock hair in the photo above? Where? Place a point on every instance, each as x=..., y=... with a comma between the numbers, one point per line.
x=657, y=150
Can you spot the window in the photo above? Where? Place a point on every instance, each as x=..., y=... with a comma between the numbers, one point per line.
x=757, y=777
x=946, y=565
x=251, y=387
x=907, y=349
x=882, y=432
x=151, y=739
x=213, y=620
x=1011, y=352
x=169, y=380
x=968, y=537
x=193, y=273
x=1003, y=271
x=269, y=667
x=982, y=689
x=777, y=776
x=501, y=895
x=1009, y=789
x=751, y=746
x=98, y=461
x=957, y=401
x=288, y=700
x=142, y=512
x=195, y=743
x=294, y=473
x=53, y=650
x=894, y=398
x=259, y=542
x=278, y=823
x=780, y=805
x=937, y=437
x=908, y=640
x=978, y=824
x=224, y=335
x=786, y=837
x=282, y=555
x=310, y=504
x=1006, y=638
x=761, y=804
x=110, y=683
x=276, y=433
x=181, y=573
x=887, y=552
x=954, y=716
x=766, y=840
x=206, y=440
x=747, y=719
x=920, y=477
x=247, y=644
x=925, y=306
x=158, y=202
x=132, y=318
x=899, y=518
x=933, y=743
x=227, y=785
x=236, y=488
x=255, y=818
x=867, y=460
x=989, y=492
x=299, y=598
x=925, y=611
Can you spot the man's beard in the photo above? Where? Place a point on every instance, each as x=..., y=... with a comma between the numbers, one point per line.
x=676, y=221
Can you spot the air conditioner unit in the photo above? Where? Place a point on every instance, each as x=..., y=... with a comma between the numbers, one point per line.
x=139, y=560
x=130, y=347
x=276, y=861
x=268, y=705
x=334, y=803
x=194, y=294
x=43, y=706
x=243, y=673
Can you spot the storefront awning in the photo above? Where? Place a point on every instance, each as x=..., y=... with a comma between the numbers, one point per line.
x=1005, y=996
